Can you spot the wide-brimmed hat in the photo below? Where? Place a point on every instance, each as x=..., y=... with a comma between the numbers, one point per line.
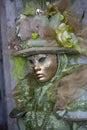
x=44, y=32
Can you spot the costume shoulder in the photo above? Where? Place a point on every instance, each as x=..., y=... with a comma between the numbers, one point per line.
x=72, y=86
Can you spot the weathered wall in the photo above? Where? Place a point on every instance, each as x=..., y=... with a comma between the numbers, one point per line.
x=3, y=121
x=7, y=10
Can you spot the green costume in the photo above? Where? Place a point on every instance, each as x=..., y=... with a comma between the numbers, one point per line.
x=36, y=102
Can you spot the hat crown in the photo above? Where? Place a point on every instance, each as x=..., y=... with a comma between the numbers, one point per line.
x=46, y=29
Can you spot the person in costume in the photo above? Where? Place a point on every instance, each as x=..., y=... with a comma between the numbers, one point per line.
x=52, y=96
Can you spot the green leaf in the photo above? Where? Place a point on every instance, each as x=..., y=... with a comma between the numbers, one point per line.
x=21, y=124
x=19, y=68
x=34, y=35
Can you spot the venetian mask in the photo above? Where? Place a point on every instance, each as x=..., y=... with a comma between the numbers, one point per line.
x=44, y=66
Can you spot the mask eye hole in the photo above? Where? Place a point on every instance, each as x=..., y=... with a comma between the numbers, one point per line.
x=31, y=61
x=42, y=59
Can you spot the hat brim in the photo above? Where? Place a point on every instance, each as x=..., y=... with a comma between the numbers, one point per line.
x=42, y=50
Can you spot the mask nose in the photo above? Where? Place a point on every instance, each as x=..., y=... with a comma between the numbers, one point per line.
x=36, y=67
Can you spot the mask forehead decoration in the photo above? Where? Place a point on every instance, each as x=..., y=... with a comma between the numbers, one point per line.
x=44, y=32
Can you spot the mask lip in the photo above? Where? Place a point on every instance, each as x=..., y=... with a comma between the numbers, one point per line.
x=45, y=50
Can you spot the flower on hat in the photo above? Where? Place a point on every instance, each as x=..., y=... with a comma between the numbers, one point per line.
x=65, y=36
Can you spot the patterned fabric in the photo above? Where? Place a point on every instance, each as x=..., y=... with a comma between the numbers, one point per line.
x=38, y=101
